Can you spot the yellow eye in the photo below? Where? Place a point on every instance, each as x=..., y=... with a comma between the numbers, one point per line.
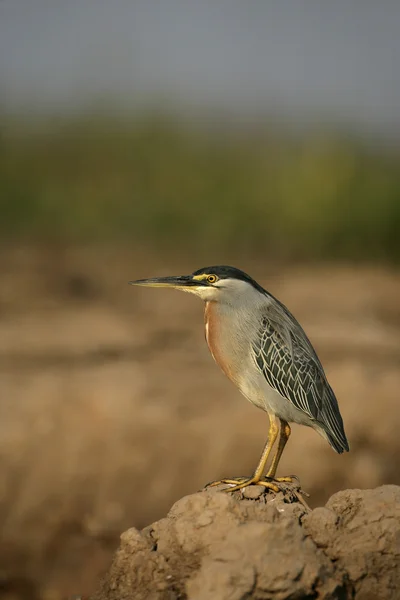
x=212, y=278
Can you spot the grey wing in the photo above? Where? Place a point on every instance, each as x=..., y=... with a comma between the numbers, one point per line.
x=291, y=366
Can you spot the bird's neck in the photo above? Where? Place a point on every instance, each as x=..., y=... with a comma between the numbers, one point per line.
x=209, y=313
x=219, y=322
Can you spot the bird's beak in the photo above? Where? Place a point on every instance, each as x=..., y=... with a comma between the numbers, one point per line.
x=181, y=282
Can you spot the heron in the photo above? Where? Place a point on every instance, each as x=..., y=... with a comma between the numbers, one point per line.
x=264, y=351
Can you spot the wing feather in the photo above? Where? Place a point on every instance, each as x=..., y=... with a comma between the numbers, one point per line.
x=291, y=366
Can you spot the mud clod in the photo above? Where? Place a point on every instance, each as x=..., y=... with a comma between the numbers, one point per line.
x=215, y=546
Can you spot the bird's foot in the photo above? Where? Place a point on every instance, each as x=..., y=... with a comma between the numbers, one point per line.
x=239, y=483
x=289, y=486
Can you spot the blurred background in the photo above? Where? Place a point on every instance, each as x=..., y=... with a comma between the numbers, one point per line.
x=147, y=138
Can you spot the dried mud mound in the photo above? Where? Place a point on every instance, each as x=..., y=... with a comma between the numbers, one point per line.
x=218, y=547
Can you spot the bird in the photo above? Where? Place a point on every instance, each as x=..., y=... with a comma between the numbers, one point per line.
x=264, y=351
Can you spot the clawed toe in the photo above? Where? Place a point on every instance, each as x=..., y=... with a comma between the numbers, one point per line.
x=287, y=479
x=233, y=481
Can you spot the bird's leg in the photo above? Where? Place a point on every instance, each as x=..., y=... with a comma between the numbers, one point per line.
x=283, y=438
x=242, y=482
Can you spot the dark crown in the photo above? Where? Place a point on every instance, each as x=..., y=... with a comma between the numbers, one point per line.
x=226, y=272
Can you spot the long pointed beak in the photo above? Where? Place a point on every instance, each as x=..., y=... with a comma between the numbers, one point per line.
x=179, y=282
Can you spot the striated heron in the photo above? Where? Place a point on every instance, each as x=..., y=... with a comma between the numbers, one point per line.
x=261, y=347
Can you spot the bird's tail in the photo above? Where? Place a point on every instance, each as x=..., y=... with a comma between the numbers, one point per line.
x=331, y=423
x=339, y=446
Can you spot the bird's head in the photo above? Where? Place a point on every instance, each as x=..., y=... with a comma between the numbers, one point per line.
x=212, y=284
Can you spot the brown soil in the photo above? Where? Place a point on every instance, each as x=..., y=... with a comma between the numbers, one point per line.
x=111, y=406
x=213, y=546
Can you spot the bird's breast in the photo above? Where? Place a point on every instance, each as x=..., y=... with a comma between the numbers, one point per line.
x=219, y=341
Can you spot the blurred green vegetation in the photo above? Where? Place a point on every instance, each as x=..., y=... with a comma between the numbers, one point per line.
x=154, y=181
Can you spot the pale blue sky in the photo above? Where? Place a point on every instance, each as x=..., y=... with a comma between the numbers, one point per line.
x=335, y=60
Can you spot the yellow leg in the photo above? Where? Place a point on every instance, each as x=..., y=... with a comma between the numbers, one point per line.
x=283, y=438
x=272, y=435
x=242, y=482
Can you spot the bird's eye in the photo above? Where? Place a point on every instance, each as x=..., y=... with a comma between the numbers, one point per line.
x=212, y=278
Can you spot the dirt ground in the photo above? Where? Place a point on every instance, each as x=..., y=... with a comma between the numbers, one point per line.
x=259, y=546
x=112, y=408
